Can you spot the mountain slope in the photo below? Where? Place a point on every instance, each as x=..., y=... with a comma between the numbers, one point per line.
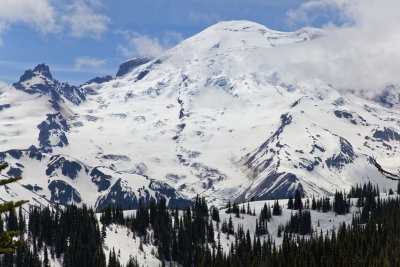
x=206, y=117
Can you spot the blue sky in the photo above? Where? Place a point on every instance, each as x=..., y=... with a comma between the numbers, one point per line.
x=82, y=39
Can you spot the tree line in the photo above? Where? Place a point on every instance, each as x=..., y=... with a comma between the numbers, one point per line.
x=192, y=237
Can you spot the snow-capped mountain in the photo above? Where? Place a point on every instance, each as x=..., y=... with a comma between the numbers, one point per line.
x=206, y=117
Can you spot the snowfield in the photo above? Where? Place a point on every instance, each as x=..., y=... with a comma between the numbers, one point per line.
x=207, y=117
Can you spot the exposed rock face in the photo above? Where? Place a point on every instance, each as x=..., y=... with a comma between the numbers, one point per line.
x=52, y=132
x=102, y=180
x=387, y=135
x=40, y=81
x=123, y=195
x=63, y=193
x=99, y=80
x=130, y=65
x=346, y=156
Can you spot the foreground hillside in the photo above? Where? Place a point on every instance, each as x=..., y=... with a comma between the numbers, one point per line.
x=359, y=231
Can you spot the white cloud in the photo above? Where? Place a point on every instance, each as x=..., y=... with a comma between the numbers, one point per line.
x=83, y=21
x=89, y=62
x=3, y=84
x=361, y=54
x=312, y=10
x=39, y=14
x=145, y=45
x=213, y=97
x=142, y=45
x=78, y=18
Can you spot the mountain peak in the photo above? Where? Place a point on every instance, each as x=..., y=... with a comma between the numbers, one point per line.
x=39, y=80
x=240, y=26
x=250, y=26
x=44, y=70
x=41, y=72
x=237, y=38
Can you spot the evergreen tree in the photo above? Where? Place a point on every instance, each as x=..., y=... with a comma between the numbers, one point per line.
x=228, y=207
x=21, y=222
x=236, y=210
x=266, y=213
x=8, y=241
x=300, y=223
x=46, y=262
x=215, y=214
x=371, y=239
x=290, y=203
x=313, y=203
x=326, y=204
x=103, y=232
x=231, y=230
x=280, y=227
x=340, y=204
x=224, y=227
x=298, y=203
x=73, y=232
x=210, y=233
x=188, y=242
x=132, y=262
x=243, y=210
x=398, y=187
x=276, y=209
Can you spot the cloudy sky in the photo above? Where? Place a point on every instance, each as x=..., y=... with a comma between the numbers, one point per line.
x=81, y=39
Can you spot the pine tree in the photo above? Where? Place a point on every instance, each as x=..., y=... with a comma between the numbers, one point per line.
x=231, y=230
x=215, y=214
x=391, y=192
x=228, y=207
x=52, y=252
x=279, y=234
x=307, y=206
x=46, y=262
x=103, y=233
x=8, y=241
x=132, y=262
x=313, y=203
x=298, y=203
x=224, y=227
x=210, y=233
x=326, y=204
x=236, y=210
x=141, y=245
x=340, y=205
x=290, y=203
x=276, y=209
x=243, y=210
x=21, y=221
x=398, y=187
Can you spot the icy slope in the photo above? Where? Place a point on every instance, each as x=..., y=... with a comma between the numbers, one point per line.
x=206, y=117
